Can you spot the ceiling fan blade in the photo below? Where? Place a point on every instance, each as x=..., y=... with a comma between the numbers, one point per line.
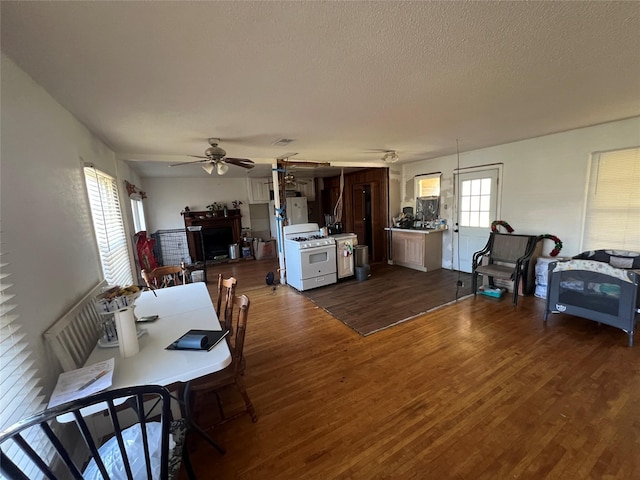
x=378, y=150
x=240, y=162
x=193, y=161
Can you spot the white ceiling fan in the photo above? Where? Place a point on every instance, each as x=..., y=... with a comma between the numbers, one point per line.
x=215, y=158
x=290, y=181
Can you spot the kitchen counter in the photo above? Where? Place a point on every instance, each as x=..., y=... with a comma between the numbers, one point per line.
x=420, y=249
x=424, y=231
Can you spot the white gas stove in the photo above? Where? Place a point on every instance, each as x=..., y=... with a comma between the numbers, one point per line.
x=310, y=258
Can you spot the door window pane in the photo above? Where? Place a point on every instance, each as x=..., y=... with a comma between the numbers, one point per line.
x=475, y=203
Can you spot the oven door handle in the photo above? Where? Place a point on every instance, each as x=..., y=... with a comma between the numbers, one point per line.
x=319, y=247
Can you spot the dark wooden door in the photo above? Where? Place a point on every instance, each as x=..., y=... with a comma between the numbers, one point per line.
x=363, y=213
x=355, y=207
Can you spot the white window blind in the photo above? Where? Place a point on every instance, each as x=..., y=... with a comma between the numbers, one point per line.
x=108, y=226
x=20, y=390
x=612, y=219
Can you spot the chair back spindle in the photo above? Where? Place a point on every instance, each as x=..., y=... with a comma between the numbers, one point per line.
x=224, y=302
x=162, y=277
x=52, y=450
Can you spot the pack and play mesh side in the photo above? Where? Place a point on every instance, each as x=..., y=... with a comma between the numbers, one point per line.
x=171, y=247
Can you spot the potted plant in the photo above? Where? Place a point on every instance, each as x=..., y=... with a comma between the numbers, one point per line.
x=235, y=204
x=213, y=209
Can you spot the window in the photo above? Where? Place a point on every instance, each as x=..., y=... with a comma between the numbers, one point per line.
x=20, y=389
x=108, y=226
x=427, y=185
x=613, y=201
x=137, y=211
x=475, y=203
x=427, y=188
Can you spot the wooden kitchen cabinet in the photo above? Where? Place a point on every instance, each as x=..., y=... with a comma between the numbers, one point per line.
x=417, y=249
x=307, y=188
x=258, y=190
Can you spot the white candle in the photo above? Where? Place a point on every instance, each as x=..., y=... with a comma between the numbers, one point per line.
x=127, y=333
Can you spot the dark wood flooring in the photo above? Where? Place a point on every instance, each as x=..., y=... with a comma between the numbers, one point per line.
x=391, y=294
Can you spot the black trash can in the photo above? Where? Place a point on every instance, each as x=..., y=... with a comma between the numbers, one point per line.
x=362, y=273
x=361, y=255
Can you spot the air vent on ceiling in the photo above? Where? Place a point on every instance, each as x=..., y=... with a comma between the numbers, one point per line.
x=282, y=142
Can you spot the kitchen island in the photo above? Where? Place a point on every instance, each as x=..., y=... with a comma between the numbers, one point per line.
x=420, y=249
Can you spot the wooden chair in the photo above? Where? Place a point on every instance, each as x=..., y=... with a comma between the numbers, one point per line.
x=231, y=376
x=161, y=277
x=53, y=451
x=224, y=302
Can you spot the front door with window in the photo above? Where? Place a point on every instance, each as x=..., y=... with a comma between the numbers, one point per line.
x=477, y=205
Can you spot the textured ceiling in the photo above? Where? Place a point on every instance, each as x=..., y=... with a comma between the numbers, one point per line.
x=345, y=80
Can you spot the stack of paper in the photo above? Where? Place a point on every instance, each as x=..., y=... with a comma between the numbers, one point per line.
x=82, y=382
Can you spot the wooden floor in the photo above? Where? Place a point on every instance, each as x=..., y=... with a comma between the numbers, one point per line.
x=406, y=292
x=476, y=390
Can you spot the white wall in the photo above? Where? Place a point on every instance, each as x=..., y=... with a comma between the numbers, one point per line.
x=544, y=180
x=167, y=197
x=46, y=228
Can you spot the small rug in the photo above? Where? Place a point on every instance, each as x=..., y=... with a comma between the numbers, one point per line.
x=391, y=295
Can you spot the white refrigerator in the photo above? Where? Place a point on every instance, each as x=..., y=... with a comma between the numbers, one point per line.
x=297, y=213
x=297, y=210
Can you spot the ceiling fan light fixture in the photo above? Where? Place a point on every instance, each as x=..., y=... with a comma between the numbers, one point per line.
x=390, y=157
x=215, y=152
x=222, y=168
x=208, y=167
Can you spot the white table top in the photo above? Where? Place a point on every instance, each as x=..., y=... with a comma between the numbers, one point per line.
x=180, y=309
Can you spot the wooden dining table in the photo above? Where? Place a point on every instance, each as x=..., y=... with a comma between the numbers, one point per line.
x=179, y=309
